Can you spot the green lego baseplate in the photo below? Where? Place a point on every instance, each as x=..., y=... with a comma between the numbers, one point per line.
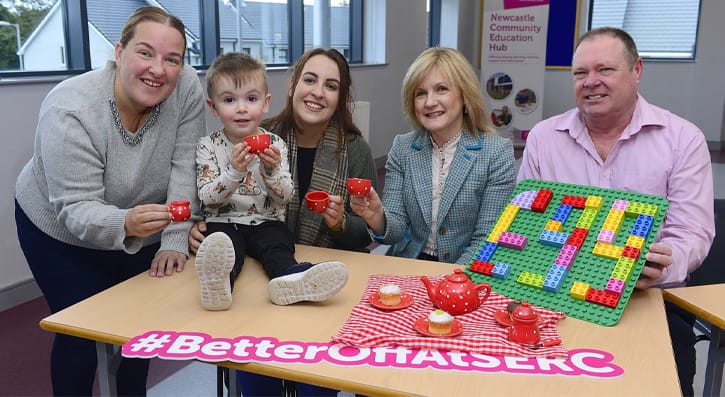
x=595, y=283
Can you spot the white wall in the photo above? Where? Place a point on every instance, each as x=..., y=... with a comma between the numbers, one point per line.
x=694, y=90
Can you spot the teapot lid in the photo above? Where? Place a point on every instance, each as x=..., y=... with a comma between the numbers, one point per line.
x=458, y=276
x=524, y=312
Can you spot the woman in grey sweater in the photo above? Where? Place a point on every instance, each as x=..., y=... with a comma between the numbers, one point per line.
x=112, y=148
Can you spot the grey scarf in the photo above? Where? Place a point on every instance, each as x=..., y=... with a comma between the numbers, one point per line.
x=329, y=173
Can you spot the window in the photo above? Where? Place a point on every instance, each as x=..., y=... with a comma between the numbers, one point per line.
x=17, y=22
x=258, y=27
x=282, y=55
x=276, y=31
x=433, y=29
x=662, y=29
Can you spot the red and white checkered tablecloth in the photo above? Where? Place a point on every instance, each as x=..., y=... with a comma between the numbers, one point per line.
x=368, y=326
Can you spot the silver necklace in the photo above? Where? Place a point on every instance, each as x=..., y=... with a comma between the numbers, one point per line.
x=441, y=153
x=129, y=138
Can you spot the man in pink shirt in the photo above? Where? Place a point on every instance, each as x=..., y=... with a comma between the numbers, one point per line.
x=615, y=139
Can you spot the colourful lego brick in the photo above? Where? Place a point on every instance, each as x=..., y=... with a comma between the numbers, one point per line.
x=512, y=240
x=615, y=285
x=522, y=274
x=542, y=200
x=630, y=252
x=620, y=205
x=604, y=298
x=594, y=202
x=553, y=239
x=501, y=270
x=642, y=226
x=617, y=215
x=636, y=208
x=505, y=221
x=495, y=235
x=566, y=255
x=623, y=269
x=577, y=237
x=577, y=202
x=507, y=217
x=554, y=278
x=586, y=219
x=524, y=199
x=562, y=213
x=649, y=210
x=635, y=241
x=498, y=229
x=511, y=210
x=607, y=250
x=487, y=251
x=554, y=226
x=606, y=236
x=579, y=290
x=531, y=279
x=614, y=220
x=482, y=267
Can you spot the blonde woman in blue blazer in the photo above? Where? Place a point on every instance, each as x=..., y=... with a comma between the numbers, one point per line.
x=447, y=181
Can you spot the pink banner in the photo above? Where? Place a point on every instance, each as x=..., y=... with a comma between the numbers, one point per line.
x=509, y=4
x=193, y=345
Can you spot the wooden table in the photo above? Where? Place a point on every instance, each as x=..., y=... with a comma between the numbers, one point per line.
x=707, y=303
x=640, y=342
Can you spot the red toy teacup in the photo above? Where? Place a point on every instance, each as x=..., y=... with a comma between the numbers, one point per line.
x=180, y=210
x=358, y=186
x=257, y=143
x=317, y=200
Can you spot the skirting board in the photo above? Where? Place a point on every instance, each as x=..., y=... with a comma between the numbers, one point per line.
x=18, y=293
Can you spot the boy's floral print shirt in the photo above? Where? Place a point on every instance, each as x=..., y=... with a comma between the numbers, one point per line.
x=248, y=198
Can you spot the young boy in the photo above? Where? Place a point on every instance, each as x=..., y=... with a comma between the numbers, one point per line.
x=243, y=196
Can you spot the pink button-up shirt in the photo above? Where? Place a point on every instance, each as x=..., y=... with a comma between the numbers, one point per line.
x=658, y=153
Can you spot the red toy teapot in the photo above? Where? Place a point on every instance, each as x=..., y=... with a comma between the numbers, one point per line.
x=525, y=327
x=456, y=293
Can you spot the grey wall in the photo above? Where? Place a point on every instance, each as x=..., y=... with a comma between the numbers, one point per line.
x=694, y=90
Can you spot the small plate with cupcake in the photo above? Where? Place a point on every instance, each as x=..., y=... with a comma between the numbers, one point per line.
x=390, y=297
x=438, y=323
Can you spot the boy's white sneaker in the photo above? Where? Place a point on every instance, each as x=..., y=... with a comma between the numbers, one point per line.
x=318, y=283
x=214, y=262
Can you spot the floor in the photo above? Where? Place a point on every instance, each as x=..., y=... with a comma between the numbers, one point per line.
x=24, y=347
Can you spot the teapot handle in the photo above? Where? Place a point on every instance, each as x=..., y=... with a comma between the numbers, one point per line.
x=487, y=291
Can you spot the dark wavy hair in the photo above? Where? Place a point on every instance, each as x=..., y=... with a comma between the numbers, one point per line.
x=284, y=121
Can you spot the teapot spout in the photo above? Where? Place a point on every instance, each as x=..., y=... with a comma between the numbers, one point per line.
x=429, y=287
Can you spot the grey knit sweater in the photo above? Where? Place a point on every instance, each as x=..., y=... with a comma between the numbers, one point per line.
x=83, y=178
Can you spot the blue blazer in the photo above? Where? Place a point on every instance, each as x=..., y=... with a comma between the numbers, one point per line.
x=480, y=180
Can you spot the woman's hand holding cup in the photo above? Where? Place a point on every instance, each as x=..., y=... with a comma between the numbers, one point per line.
x=370, y=208
x=146, y=219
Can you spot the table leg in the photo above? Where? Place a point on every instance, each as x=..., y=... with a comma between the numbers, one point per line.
x=715, y=361
x=234, y=384
x=109, y=358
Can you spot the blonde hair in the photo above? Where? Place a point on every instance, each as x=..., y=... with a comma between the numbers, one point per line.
x=238, y=67
x=454, y=66
x=151, y=14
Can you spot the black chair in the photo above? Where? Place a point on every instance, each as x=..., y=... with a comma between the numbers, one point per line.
x=711, y=271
